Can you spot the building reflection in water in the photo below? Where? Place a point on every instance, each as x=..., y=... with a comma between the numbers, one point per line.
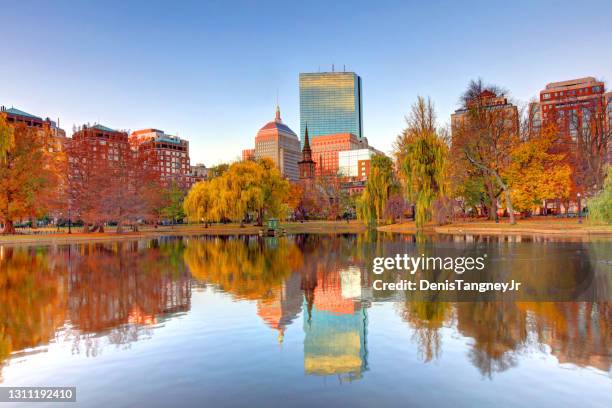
x=282, y=306
x=117, y=293
x=335, y=324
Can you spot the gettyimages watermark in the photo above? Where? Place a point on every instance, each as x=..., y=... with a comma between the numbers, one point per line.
x=457, y=273
x=459, y=265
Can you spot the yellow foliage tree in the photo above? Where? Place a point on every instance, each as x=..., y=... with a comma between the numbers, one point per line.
x=535, y=174
x=246, y=187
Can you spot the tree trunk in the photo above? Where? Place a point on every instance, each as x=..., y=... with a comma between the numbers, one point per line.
x=492, y=202
x=101, y=227
x=509, y=206
x=86, y=229
x=119, y=229
x=9, y=227
x=501, y=184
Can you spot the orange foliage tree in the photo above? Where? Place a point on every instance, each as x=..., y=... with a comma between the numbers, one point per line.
x=484, y=138
x=536, y=174
x=29, y=175
x=124, y=190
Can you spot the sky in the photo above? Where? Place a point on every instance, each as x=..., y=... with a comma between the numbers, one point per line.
x=210, y=72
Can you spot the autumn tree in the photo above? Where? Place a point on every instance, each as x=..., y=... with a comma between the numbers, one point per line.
x=379, y=187
x=591, y=135
x=275, y=191
x=173, y=197
x=202, y=202
x=535, y=174
x=247, y=187
x=112, y=183
x=600, y=206
x=27, y=174
x=422, y=161
x=317, y=199
x=484, y=132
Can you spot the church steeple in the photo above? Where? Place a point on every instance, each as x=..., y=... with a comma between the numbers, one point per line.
x=306, y=165
x=306, y=148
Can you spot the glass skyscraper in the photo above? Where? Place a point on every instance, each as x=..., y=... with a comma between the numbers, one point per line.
x=330, y=102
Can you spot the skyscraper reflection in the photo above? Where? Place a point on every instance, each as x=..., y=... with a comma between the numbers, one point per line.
x=335, y=326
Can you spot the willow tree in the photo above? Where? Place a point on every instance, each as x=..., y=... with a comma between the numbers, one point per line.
x=600, y=206
x=421, y=154
x=202, y=203
x=380, y=186
x=247, y=187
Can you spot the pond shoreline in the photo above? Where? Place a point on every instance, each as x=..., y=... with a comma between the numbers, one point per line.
x=545, y=227
x=77, y=236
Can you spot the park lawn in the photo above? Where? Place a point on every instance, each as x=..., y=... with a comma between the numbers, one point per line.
x=51, y=236
x=534, y=225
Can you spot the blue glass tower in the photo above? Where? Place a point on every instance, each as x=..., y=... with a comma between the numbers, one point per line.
x=330, y=102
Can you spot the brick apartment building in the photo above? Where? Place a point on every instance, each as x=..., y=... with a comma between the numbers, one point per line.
x=100, y=144
x=488, y=101
x=570, y=102
x=56, y=142
x=248, y=154
x=166, y=153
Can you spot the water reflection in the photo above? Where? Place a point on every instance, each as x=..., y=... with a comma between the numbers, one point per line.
x=335, y=328
x=99, y=294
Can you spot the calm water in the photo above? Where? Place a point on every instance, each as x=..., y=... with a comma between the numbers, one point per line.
x=293, y=321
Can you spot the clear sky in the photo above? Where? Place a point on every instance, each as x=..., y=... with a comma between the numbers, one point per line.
x=210, y=71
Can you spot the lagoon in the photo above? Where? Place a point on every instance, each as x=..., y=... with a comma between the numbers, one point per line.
x=243, y=320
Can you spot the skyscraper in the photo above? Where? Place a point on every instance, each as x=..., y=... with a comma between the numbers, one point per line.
x=278, y=142
x=330, y=103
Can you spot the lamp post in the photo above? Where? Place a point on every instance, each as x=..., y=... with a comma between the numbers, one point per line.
x=579, y=210
x=69, y=222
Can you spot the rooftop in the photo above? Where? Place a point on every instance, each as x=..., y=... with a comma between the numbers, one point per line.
x=169, y=139
x=103, y=128
x=277, y=124
x=17, y=112
x=572, y=82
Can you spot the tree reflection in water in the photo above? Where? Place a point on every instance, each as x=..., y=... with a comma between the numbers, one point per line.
x=88, y=294
x=97, y=294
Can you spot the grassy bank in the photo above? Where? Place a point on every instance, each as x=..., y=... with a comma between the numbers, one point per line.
x=539, y=226
x=49, y=236
x=536, y=225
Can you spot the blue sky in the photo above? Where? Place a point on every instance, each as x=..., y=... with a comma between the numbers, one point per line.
x=210, y=71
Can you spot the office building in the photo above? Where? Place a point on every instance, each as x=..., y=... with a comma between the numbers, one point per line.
x=278, y=142
x=325, y=151
x=330, y=103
